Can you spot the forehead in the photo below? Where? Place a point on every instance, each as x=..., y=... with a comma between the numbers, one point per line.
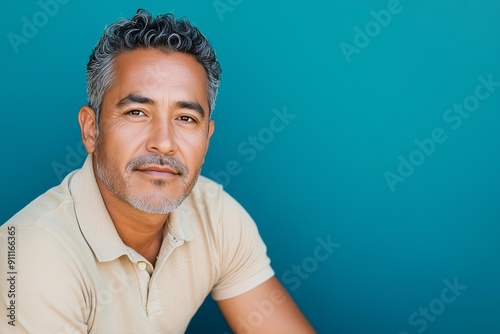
x=152, y=72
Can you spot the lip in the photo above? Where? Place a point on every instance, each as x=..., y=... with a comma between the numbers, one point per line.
x=158, y=171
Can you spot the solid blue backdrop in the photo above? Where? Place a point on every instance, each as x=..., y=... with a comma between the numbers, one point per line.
x=366, y=128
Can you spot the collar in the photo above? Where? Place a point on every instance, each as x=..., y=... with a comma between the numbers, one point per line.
x=96, y=224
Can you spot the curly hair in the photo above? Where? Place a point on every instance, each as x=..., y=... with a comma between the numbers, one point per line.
x=164, y=33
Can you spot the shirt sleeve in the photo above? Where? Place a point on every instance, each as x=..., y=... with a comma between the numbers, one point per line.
x=44, y=293
x=243, y=261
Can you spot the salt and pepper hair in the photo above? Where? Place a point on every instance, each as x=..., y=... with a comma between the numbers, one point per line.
x=163, y=32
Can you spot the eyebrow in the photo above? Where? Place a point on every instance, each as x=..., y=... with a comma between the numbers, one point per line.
x=136, y=98
x=191, y=105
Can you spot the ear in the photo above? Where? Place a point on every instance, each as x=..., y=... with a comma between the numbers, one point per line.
x=211, y=128
x=88, y=127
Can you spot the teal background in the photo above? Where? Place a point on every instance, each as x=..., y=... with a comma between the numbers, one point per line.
x=323, y=174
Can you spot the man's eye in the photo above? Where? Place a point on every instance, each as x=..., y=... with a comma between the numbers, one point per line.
x=187, y=119
x=135, y=113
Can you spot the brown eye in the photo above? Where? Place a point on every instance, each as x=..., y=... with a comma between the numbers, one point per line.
x=135, y=113
x=187, y=119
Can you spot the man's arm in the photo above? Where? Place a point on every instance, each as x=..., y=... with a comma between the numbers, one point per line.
x=268, y=308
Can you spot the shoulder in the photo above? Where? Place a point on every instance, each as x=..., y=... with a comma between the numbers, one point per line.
x=212, y=193
x=216, y=205
x=230, y=236
x=45, y=207
x=46, y=225
x=207, y=191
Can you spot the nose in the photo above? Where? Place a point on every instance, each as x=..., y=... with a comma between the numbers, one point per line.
x=161, y=137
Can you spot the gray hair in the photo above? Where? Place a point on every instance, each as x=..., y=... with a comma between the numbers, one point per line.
x=164, y=33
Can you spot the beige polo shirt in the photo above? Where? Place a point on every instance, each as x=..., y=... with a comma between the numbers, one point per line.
x=68, y=271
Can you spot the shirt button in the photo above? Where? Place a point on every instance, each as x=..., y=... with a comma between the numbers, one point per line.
x=141, y=266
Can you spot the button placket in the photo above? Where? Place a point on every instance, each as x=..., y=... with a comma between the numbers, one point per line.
x=143, y=278
x=142, y=266
x=153, y=302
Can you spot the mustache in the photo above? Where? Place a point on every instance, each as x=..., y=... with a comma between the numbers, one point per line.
x=160, y=160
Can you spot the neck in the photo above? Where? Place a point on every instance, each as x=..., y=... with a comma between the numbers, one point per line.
x=145, y=236
x=141, y=231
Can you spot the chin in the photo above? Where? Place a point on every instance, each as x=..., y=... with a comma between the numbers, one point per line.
x=155, y=202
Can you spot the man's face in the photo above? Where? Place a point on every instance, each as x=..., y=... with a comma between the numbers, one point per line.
x=154, y=129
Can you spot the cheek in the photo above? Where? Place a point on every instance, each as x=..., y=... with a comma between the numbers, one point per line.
x=118, y=143
x=193, y=146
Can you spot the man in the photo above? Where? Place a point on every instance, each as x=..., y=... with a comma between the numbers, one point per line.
x=135, y=240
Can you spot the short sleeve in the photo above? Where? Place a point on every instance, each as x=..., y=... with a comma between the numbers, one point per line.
x=44, y=291
x=244, y=261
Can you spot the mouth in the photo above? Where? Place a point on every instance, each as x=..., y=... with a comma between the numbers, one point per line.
x=159, y=171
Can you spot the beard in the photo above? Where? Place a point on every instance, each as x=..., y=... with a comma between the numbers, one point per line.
x=157, y=202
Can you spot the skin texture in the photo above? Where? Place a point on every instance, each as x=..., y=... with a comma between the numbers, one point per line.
x=158, y=107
